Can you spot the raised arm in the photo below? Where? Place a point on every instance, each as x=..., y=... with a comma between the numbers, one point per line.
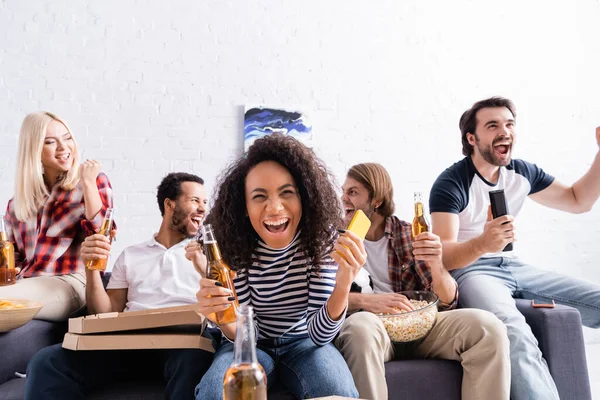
x=578, y=198
x=329, y=288
x=88, y=172
x=350, y=255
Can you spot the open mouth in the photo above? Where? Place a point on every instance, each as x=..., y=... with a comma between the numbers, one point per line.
x=197, y=220
x=502, y=148
x=63, y=157
x=348, y=211
x=276, y=225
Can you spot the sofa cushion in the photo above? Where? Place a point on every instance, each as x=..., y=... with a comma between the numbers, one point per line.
x=424, y=379
x=19, y=345
x=12, y=389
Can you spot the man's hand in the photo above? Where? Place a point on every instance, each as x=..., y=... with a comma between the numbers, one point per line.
x=88, y=172
x=194, y=253
x=497, y=233
x=96, y=247
x=350, y=255
x=379, y=303
x=428, y=247
x=598, y=136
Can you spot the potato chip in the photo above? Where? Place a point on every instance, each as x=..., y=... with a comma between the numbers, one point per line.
x=9, y=305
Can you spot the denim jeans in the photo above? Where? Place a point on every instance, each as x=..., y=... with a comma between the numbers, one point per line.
x=57, y=373
x=305, y=369
x=492, y=283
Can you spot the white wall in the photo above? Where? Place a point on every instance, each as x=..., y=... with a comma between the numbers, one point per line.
x=154, y=86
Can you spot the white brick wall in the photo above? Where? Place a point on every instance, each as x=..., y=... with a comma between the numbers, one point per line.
x=152, y=86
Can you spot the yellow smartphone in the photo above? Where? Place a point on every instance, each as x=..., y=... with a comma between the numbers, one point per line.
x=360, y=224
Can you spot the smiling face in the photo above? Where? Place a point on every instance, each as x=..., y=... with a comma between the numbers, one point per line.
x=494, y=135
x=58, y=151
x=355, y=196
x=273, y=203
x=189, y=209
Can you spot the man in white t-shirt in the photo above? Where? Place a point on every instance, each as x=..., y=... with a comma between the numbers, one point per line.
x=153, y=274
x=398, y=262
x=476, y=251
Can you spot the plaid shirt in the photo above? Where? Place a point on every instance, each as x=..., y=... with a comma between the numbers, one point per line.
x=48, y=244
x=405, y=272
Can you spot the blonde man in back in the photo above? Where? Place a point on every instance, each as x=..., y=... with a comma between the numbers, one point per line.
x=398, y=262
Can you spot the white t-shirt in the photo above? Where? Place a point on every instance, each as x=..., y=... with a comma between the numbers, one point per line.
x=377, y=264
x=462, y=190
x=155, y=276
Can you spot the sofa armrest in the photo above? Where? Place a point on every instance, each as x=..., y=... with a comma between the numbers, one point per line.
x=19, y=345
x=560, y=336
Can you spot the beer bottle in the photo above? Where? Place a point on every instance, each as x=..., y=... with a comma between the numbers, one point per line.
x=245, y=378
x=8, y=274
x=107, y=224
x=420, y=223
x=218, y=270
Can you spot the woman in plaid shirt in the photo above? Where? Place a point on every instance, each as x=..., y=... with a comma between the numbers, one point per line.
x=57, y=203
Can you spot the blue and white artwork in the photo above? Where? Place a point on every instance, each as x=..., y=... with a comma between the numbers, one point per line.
x=261, y=121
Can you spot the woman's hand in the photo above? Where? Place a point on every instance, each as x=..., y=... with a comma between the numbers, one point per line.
x=88, y=172
x=350, y=254
x=213, y=297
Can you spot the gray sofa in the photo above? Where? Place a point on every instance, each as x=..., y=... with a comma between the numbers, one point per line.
x=558, y=331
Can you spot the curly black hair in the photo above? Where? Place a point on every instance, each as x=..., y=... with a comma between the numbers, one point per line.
x=321, y=209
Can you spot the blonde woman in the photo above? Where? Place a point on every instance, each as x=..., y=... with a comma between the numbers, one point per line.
x=57, y=203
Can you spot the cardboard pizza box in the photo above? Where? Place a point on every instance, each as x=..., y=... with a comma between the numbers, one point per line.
x=180, y=337
x=178, y=327
x=132, y=320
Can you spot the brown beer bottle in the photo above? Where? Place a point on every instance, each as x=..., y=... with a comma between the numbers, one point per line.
x=420, y=223
x=245, y=379
x=8, y=274
x=107, y=224
x=218, y=270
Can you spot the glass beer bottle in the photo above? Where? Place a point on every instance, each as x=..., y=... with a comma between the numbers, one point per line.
x=420, y=223
x=218, y=270
x=107, y=224
x=8, y=274
x=245, y=379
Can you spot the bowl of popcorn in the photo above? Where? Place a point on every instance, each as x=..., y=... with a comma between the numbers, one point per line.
x=17, y=312
x=408, y=326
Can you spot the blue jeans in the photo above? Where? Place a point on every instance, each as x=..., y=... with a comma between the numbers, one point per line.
x=307, y=370
x=492, y=283
x=57, y=373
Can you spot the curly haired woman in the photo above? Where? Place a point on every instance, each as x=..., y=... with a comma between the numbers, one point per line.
x=57, y=203
x=273, y=214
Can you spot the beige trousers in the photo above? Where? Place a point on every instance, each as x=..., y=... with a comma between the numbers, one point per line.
x=476, y=338
x=62, y=295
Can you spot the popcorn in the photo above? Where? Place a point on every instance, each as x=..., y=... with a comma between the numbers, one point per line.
x=412, y=326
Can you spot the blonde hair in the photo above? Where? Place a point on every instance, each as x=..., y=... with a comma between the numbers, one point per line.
x=30, y=189
x=379, y=184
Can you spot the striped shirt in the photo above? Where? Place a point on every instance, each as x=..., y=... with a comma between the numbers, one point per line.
x=48, y=243
x=287, y=296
